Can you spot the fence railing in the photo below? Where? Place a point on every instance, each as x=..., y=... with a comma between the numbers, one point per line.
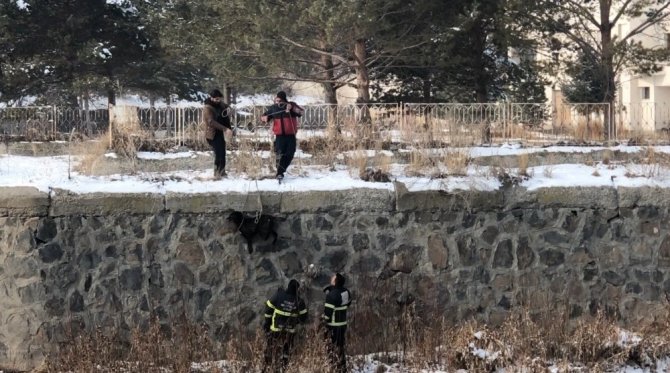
x=447, y=122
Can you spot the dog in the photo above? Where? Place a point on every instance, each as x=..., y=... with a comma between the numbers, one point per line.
x=251, y=226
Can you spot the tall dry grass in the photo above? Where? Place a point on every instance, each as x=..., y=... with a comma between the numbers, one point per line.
x=412, y=335
x=588, y=129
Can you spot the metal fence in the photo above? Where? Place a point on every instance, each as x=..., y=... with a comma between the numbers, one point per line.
x=444, y=122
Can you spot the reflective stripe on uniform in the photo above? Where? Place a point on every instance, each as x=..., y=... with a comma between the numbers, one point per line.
x=281, y=330
x=281, y=313
x=337, y=323
x=278, y=311
x=343, y=308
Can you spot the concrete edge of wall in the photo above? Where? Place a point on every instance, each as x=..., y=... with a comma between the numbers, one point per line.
x=23, y=201
x=29, y=201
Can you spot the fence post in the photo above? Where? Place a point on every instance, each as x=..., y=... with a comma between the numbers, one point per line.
x=54, y=113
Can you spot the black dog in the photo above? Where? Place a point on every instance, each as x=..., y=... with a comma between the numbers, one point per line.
x=251, y=226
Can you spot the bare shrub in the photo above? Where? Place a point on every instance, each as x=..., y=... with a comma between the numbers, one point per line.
x=457, y=161
x=523, y=164
x=91, y=155
x=248, y=159
x=594, y=340
x=588, y=129
x=357, y=162
x=420, y=163
x=607, y=156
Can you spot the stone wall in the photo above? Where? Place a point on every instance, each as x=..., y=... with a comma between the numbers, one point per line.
x=71, y=261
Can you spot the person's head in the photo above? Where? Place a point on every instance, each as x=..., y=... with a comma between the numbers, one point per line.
x=215, y=95
x=293, y=287
x=337, y=280
x=281, y=97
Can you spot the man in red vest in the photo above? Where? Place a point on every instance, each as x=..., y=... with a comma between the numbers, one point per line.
x=284, y=115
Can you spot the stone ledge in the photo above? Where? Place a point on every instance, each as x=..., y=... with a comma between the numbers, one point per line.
x=64, y=203
x=359, y=199
x=472, y=200
x=23, y=201
x=582, y=197
x=218, y=202
x=643, y=196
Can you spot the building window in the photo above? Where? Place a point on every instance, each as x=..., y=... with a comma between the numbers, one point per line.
x=645, y=93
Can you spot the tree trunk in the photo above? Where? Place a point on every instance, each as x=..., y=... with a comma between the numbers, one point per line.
x=362, y=78
x=111, y=97
x=226, y=93
x=362, y=74
x=330, y=92
x=426, y=88
x=607, y=63
x=152, y=110
x=481, y=80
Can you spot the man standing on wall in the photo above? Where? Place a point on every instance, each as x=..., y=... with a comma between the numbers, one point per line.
x=283, y=312
x=216, y=116
x=338, y=300
x=284, y=115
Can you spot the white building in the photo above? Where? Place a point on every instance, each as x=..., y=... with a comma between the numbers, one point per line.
x=644, y=100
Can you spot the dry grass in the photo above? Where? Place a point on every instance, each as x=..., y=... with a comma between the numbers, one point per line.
x=523, y=164
x=91, y=155
x=457, y=161
x=357, y=162
x=588, y=129
x=248, y=159
x=417, y=339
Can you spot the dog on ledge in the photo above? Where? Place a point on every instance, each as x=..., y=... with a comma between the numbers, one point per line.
x=251, y=226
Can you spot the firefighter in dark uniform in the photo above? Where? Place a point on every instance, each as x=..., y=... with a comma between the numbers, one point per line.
x=338, y=300
x=283, y=312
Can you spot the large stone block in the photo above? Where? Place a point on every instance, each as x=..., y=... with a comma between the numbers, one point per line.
x=23, y=201
x=360, y=199
x=67, y=203
x=472, y=200
x=643, y=196
x=583, y=197
x=267, y=202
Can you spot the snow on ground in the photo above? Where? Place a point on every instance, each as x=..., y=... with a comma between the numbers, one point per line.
x=517, y=149
x=46, y=173
x=371, y=364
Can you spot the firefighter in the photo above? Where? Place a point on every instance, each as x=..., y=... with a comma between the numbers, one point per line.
x=338, y=300
x=283, y=312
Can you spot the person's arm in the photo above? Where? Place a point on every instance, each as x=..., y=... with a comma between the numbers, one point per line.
x=295, y=109
x=302, y=312
x=225, y=118
x=270, y=307
x=329, y=306
x=272, y=110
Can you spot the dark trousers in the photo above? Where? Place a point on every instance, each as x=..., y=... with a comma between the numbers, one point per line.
x=338, y=358
x=277, y=351
x=218, y=144
x=284, y=152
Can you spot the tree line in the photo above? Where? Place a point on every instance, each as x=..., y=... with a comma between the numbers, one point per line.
x=64, y=51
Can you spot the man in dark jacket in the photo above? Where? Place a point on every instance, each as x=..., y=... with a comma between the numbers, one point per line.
x=283, y=312
x=284, y=115
x=338, y=299
x=216, y=116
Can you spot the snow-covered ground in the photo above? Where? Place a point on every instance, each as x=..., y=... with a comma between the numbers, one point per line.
x=46, y=173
